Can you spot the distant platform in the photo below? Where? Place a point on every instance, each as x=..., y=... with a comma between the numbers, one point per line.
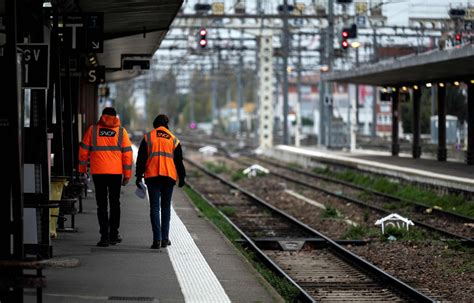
x=453, y=175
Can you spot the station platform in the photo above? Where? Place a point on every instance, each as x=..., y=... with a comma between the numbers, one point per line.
x=453, y=175
x=201, y=265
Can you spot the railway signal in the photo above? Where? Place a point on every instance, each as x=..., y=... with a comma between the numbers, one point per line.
x=202, y=39
x=345, y=35
x=344, y=44
x=458, y=38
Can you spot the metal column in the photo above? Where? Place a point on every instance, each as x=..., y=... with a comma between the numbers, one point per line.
x=470, y=129
x=416, y=147
x=442, y=151
x=285, y=47
x=11, y=130
x=395, y=118
x=266, y=119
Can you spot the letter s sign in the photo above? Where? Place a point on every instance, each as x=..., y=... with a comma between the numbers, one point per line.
x=92, y=76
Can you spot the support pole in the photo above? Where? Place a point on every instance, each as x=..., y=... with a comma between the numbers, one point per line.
x=470, y=127
x=11, y=130
x=240, y=89
x=266, y=117
x=416, y=147
x=285, y=46
x=395, y=117
x=298, y=106
x=330, y=60
x=213, y=94
x=442, y=151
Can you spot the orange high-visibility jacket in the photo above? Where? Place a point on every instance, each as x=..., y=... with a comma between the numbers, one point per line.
x=109, y=148
x=161, y=144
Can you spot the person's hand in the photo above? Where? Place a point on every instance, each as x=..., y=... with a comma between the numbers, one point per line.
x=138, y=181
x=181, y=183
x=125, y=181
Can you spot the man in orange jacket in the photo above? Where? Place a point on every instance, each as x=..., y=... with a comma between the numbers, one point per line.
x=110, y=151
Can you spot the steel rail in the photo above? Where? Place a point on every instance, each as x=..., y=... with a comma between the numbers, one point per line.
x=466, y=240
x=304, y=296
x=375, y=192
x=345, y=254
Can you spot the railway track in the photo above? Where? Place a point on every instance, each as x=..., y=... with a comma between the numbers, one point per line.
x=320, y=268
x=445, y=223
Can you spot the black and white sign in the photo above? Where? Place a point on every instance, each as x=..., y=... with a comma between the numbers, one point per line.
x=95, y=32
x=96, y=74
x=84, y=33
x=35, y=65
x=469, y=25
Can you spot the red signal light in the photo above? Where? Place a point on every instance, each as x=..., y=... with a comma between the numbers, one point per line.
x=203, y=40
x=345, y=34
x=458, y=37
x=345, y=44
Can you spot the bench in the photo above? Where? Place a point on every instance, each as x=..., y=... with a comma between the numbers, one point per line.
x=67, y=207
x=75, y=189
x=8, y=278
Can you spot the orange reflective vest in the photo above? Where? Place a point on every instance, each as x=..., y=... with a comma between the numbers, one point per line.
x=109, y=148
x=161, y=144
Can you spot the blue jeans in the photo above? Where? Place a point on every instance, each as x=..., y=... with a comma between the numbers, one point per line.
x=159, y=192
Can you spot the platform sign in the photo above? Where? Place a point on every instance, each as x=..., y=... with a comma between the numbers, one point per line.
x=95, y=32
x=35, y=73
x=96, y=75
x=84, y=33
x=74, y=33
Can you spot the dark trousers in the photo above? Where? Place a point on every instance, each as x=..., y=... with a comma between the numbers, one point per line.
x=107, y=190
x=160, y=195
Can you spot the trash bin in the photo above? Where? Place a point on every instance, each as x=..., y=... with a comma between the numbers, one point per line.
x=57, y=186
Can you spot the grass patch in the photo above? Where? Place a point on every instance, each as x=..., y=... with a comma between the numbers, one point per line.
x=360, y=232
x=454, y=203
x=212, y=214
x=217, y=168
x=229, y=211
x=294, y=165
x=287, y=290
x=415, y=235
x=330, y=212
x=237, y=176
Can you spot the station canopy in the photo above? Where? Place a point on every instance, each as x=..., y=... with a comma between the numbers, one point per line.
x=455, y=64
x=130, y=27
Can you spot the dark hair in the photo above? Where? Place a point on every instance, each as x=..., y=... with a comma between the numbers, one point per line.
x=161, y=120
x=109, y=111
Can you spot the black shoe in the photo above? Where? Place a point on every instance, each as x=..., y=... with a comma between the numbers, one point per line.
x=156, y=245
x=115, y=240
x=165, y=243
x=103, y=243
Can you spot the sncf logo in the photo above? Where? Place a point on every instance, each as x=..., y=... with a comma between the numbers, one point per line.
x=162, y=134
x=105, y=132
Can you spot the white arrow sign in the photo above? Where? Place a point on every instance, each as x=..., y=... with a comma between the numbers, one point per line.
x=95, y=45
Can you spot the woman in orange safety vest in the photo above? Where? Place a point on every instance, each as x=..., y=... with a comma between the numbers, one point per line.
x=108, y=146
x=160, y=161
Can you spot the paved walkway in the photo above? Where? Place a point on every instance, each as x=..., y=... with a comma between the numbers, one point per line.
x=200, y=266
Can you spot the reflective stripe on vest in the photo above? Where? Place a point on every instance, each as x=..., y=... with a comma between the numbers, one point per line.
x=163, y=154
